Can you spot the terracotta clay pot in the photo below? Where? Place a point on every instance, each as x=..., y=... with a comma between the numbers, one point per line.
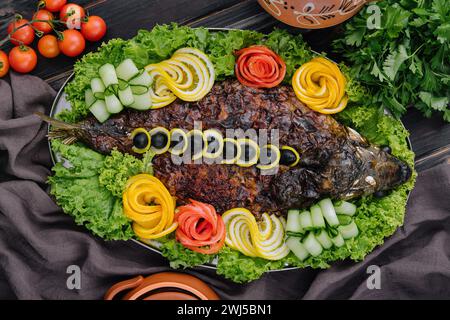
x=312, y=14
x=163, y=286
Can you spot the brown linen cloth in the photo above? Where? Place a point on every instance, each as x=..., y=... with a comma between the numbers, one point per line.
x=38, y=241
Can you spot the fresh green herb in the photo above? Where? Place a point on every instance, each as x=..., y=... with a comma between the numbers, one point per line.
x=406, y=61
x=90, y=188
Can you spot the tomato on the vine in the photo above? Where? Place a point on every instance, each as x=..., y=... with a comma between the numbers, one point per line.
x=22, y=59
x=72, y=14
x=94, y=28
x=72, y=43
x=4, y=64
x=24, y=35
x=54, y=5
x=44, y=15
x=48, y=46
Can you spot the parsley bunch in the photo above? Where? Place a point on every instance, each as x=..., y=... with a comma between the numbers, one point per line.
x=405, y=61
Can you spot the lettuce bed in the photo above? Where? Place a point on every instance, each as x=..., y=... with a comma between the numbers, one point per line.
x=90, y=190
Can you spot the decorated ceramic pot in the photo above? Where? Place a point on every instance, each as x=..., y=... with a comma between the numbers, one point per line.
x=312, y=14
x=162, y=286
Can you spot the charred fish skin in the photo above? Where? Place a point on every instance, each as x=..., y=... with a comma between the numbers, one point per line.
x=335, y=161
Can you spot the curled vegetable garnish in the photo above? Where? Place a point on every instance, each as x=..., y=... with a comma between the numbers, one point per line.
x=149, y=204
x=200, y=226
x=321, y=86
x=189, y=75
x=259, y=67
x=264, y=239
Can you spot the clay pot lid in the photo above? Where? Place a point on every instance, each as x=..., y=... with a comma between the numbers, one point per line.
x=309, y=14
x=169, y=285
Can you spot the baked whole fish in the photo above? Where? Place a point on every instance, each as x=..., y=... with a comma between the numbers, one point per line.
x=335, y=161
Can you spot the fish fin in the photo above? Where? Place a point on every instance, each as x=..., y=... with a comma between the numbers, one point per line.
x=60, y=129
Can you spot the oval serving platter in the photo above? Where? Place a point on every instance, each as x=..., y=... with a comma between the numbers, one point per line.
x=60, y=103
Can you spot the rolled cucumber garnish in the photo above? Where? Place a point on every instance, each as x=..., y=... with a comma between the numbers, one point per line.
x=127, y=70
x=113, y=104
x=344, y=207
x=89, y=97
x=295, y=245
x=312, y=245
x=293, y=221
x=108, y=75
x=349, y=231
x=98, y=109
x=328, y=212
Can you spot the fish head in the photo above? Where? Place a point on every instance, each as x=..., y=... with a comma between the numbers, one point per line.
x=377, y=171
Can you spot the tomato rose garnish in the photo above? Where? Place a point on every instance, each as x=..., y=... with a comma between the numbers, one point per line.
x=259, y=67
x=199, y=226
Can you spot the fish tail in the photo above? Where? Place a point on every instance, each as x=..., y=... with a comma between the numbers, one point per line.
x=67, y=132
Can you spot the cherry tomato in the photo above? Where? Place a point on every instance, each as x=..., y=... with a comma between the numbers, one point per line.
x=48, y=46
x=72, y=14
x=4, y=64
x=72, y=43
x=45, y=15
x=54, y=5
x=22, y=59
x=24, y=35
x=94, y=29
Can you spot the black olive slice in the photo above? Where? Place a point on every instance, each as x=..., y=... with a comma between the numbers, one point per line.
x=289, y=156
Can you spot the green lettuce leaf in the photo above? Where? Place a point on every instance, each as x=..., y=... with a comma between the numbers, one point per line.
x=93, y=202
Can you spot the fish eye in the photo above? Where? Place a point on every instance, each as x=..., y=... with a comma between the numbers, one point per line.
x=160, y=140
x=289, y=156
x=141, y=140
x=386, y=149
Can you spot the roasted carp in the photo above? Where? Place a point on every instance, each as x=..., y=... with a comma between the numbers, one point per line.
x=335, y=161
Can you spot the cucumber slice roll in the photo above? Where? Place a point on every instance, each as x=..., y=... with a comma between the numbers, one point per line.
x=328, y=212
x=344, y=207
x=295, y=245
x=305, y=220
x=338, y=240
x=142, y=101
x=138, y=89
x=293, y=221
x=113, y=104
x=89, y=97
x=127, y=70
x=349, y=231
x=98, y=88
x=324, y=239
x=126, y=96
x=98, y=109
x=142, y=79
x=108, y=75
x=317, y=217
x=312, y=245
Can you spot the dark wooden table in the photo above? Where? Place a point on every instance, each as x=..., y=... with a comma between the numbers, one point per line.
x=430, y=137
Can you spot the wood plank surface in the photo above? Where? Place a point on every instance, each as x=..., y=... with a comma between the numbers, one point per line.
x=430, y=137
